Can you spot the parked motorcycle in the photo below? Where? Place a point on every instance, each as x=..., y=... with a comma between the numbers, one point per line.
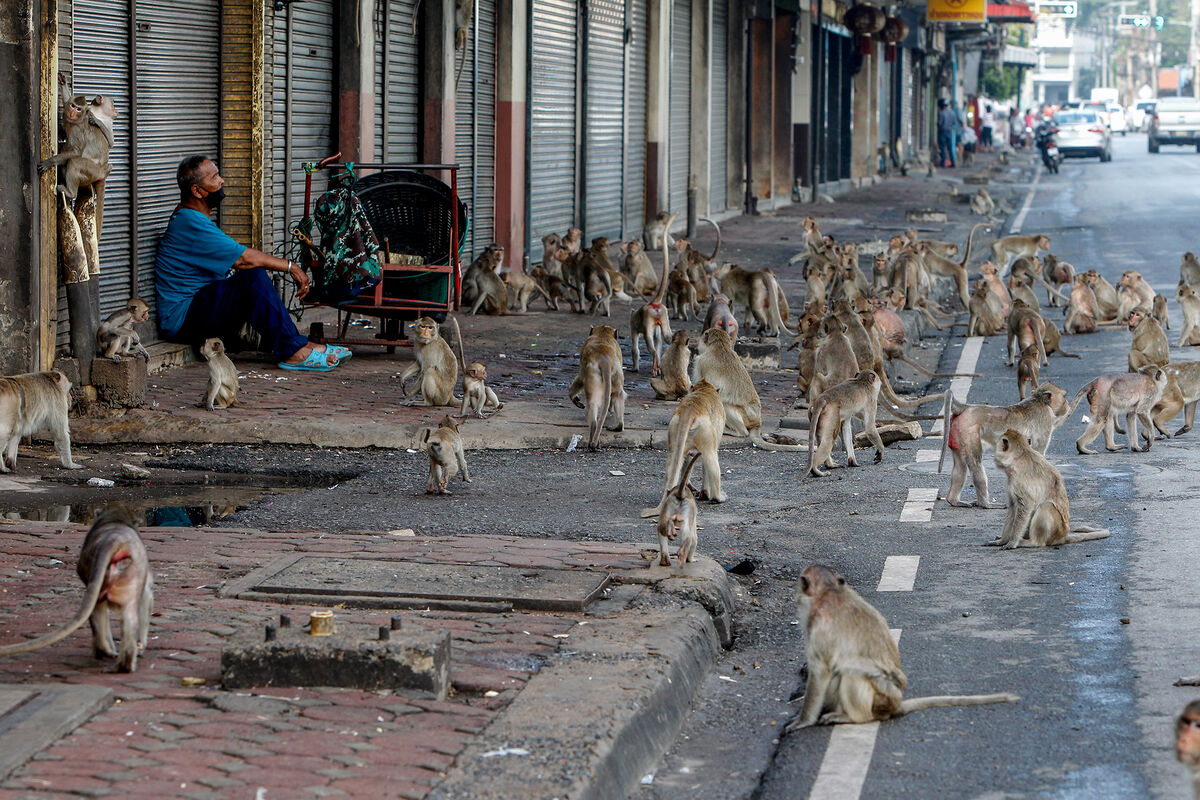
x=1047, y=146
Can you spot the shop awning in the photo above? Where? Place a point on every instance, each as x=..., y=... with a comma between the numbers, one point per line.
x=1015, y=11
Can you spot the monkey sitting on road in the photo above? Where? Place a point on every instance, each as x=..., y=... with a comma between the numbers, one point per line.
x=31, y=403
x=857, y=397
x=1187, y=741
x=446, y=457
x=116, y=336
x=1149, y=346
x=116, y=574
x=222, y=376
x=854, y=672
x=1039, y=512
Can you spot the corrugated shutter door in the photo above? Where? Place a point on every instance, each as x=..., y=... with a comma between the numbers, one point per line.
x=681, y=105
x=401, y=82
x=906, y=101
x=604, y=105
x=635, y=118
x=720, y=106
x=302, y=106
x=475, y=129
x=552, y=110
x=166, y=84
x=101, y=66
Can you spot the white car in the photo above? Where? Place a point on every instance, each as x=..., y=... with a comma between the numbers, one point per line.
x=1139, y=115
x=1117, y=121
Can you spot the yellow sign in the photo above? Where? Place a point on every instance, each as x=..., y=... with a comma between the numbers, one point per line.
x=956, y=11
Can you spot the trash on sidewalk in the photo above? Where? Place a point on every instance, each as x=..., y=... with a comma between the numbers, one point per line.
x=101, y=482
x=575, y=440
x=505, y=751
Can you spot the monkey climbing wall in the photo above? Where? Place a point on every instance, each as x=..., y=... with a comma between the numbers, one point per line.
x=475, y=129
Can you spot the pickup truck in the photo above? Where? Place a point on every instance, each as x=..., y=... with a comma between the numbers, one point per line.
x=1176, y=120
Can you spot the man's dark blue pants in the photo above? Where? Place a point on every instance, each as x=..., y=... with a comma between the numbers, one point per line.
x=221, y=308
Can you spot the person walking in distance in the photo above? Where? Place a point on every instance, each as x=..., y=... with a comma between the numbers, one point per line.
x=947, y=124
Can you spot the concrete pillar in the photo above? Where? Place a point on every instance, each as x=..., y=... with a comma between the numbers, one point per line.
x=761, y=64
x=781, y=126
x=437, y=89
x=877, y=100
x=701, y=102
x=658, y=104
x=356, y=79
x=802, y=104
x=861, y=141
x=512, y=35
x=735, y=137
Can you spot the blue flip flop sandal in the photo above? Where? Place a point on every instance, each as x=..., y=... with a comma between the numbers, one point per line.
x=342, y=353
x=315, y=362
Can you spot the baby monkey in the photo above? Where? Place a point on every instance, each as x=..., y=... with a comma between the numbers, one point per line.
x=477, y=395
x=116, y=336
x=222, y=376
x=677, y=512
x=446, y=458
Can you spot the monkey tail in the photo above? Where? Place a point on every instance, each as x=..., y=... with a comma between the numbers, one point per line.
x=898, y=402
x=947, y=418
x=924, y=371
x=814, y=413
x=662, y=281
x=773, y=305
x=716, y=249
x=1085, y=533
x=759, y=441
x=462, y=60
x=970, y=239
x=1087, y=387
x=686, y=421
x=462, y=359
x=686, y=474
x=937, y=701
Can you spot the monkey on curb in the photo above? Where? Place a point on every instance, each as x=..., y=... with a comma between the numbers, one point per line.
x=1039, y=512
x=833, y=409
x=222, y=376
x=117, y=337
x=1187, y=742
x=477, y=395
x=854, y=673
x=677, y=512
x=675, y=381
x=434, y=365
x=600, y=381
x=446, y=457
x=30, y=403
x=116, y=574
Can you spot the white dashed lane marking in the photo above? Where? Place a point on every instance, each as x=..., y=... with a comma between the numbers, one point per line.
x=959, y=387
x=919, y=505
x=926, y=455
x=899, y=574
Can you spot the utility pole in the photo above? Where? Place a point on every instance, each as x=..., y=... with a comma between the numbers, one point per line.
x=1194, y=50
x=1154, y=47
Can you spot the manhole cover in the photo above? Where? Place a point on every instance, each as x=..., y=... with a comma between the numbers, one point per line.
x=34, y=716
x=379, y=583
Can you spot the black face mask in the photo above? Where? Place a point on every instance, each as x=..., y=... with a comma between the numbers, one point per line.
x=214, y=198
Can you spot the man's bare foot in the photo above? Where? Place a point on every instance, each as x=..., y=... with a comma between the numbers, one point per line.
x=303, y=353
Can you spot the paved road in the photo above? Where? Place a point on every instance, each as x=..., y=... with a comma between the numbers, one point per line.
x=1096, y=714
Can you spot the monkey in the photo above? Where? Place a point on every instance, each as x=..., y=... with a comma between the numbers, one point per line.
x=556, y=289
x=1187, y=378
x=1149, y=345
x=833, y=409
x=434, y=364
x=477, y=395
x=551, y=244
x=1020, y=288
x=1128, y=299
x=970, y=428
x=1032, y=268
x=115, y=570
x=521, y=288
x=997, y=286
x=1107, y=302
x=30, y=403
x=1025, y=327
x=117, y=335
x=1133, y=394
x=754, y=290
x=1052, y=341
x=1058, y=272
x=892, y=339
x=986, y=318
x=654, y=230
x=675, y=381
x=573, y=241
x=697, y=424
x=942, y=267
x=850, y=271
x=854, y=672
x=222, y=376
x=1082, y=307
x=1017, y=246
x=651, y=322
x=587, y=276
x=638, y=268
x=881, y=271
x=833, y=358
x=1187, y=739
x=982, y=203
x=464, y=11
x=695, y=265
x=616, y=279
x=88, y=126
x=1189, y=270
x=818, y=277
x=720, y=316
x=1158, y=310
x=601, y=381
x=944, y=249
x=1134, y=280
x=1027, y=369
x=482, y=286
x=909, y=276
x=678, y=512
x=681, y=296
x=446, y=457
x=1039, y=512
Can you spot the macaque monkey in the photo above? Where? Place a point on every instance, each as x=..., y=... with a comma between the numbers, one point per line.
x=482, y=286
x=1149, y=345
x=573, y=241
x=695, y=264
x=677, y=512
x=1032, y=269
x=983, y=204
x=1132, y=394
x=881, y=272
x=1182, y=393
x=833, y=358
x=697, y=424
x=117, y=336
x=970, y=428
x=521, y=288
x=477, y=395
x=675, y=381
x=650, y=321
x=720, y=315
x=986, y=317
x=222, y=376
x=30, y=403
x=941, y=267
x=1158, y=310
x=1059, y=273
x=464, y=12
x=1025, y=327
x=1187, y=740
x=601, y=381
x=854, y=672
x=1027, y=370
x=551, y=244
x=1082, y=308
x=992, y=278
x=446, y=457
x=1189, y=270
x=1052, y=341
x=1107, y=302
x=1039, y=512
x=616, y=279
x=681, y=296
x=589, y=279
x=1017, y=246
x=638, y=268
x=944, y=249
x=1134, y=280
x=434, y=365
x=555, y=287
x=653, y=233
x=869, y=355
x=88, y=128
x=1021, y=288
x=116, y=574
x=754, y=291
x=833, y=409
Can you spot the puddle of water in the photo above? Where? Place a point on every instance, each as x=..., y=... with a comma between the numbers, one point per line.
x=179, y=507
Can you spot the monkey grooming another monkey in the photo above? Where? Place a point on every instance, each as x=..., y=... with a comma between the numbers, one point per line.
x=675, y=381
x=116, y=336
x=446, y=456
x=116, y=574
x=678, y=512
x=435, y=366
x=30, y=403
x=854, y=673
x=857, y=397
x=650, y=321
x=1133, y=394
x=695, y=265
x=1187, y=741
x=601, y=381
x=222, y=376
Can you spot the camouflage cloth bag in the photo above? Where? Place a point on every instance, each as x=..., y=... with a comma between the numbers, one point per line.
x=350, y=263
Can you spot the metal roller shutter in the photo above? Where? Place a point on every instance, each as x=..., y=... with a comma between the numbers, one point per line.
x=720, y=106
x=552, y=130
x=906, y=100
x=475, y=128
x=301, y=105
x=636, y=19
x=680, y=130
x=398, y=83
x=167, y=83
x=604, y=114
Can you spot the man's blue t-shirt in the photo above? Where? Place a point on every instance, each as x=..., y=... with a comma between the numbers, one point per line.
x=192, y=253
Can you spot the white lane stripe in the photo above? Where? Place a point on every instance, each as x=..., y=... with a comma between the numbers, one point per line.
x=899, y=574
x=927, y=455
x=847, y=759
x=1020, y=220
x=960, y=387
x=919, y=506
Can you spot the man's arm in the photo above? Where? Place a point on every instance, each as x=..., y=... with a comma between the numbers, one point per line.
x=252, y=259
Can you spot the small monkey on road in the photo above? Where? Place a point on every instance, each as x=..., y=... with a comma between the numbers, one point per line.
x=222, y=376
x=446, y=457
x=677, y=512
